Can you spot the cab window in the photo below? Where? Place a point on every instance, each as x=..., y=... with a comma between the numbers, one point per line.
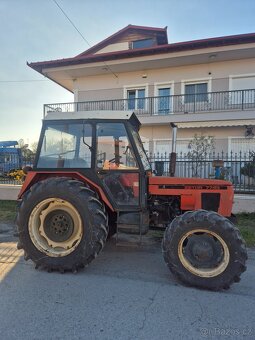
x=66, y=146
x=114, y=151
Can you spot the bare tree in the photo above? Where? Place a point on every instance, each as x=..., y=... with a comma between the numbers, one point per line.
x=26, y=152
x=33, y=147
x=200, y=147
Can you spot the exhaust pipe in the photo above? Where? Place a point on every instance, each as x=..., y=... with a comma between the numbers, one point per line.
x=172, y=164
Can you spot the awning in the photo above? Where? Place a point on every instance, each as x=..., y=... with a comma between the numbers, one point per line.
x=216, y=123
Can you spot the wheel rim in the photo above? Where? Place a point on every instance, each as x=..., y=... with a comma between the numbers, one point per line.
x=203, y=253
x=55, y=227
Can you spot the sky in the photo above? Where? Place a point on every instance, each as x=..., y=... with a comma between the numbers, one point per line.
x=36, y=30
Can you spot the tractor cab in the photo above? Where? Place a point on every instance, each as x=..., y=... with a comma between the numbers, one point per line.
x=104, y=147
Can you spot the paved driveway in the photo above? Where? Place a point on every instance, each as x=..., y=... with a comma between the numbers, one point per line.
x=126, y=293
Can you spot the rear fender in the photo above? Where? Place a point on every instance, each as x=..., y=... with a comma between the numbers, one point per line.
x=36, y=176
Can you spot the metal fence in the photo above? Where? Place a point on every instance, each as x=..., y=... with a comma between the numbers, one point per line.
x=10, y=166
x=237, y=100
x=239, y=168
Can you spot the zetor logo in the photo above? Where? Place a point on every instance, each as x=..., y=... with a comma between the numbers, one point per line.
x=202, y=187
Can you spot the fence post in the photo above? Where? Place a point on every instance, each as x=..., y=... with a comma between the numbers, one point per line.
x=242, y=99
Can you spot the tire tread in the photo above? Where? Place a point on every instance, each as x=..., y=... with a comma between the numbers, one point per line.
x=98, y=232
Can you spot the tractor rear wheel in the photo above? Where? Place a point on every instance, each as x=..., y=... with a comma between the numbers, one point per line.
x=61, y=224
x=205, y=250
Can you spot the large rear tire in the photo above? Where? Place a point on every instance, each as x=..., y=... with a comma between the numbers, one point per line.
x=205, y=250
x=61, y=224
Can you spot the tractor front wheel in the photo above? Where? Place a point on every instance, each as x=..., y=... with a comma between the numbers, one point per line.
x=205, y=250
x=61, y=224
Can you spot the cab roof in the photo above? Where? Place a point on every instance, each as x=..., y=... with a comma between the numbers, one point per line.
x=92, y=115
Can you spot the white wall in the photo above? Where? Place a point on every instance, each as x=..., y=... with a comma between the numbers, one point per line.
x=93, y=87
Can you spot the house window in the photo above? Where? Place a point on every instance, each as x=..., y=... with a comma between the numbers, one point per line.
x=196, y=92
x=142, y=43
x=136, y=99
x=244, y=89
x=243, y=145
x=164, y=100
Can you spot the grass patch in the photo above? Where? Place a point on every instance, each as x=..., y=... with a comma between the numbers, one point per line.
x=246, y=224
x=7, y=211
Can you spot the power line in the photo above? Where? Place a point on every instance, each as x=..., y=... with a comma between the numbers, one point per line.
x=72, y=23
x=82, y=36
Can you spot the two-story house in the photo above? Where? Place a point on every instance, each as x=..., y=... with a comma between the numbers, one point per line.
x=204, y=86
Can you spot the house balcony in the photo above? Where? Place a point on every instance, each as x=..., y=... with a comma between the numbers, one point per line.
x=189, y=107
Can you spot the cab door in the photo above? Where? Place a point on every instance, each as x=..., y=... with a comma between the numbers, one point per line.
x=117, y=166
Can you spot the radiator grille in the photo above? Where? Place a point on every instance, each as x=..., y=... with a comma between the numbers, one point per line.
x=210, y=201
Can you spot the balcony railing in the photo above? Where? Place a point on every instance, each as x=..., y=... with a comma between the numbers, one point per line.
x=164, y=105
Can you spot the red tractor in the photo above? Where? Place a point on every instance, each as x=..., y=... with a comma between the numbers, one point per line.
x=92, y=178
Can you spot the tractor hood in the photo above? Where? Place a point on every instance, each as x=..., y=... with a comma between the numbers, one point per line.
x=187, y=183
x=195, y=193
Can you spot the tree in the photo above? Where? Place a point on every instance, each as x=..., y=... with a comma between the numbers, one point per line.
x=200, y=146
x=26, y=152
x=33, y=147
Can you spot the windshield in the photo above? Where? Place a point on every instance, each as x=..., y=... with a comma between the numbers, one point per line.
x=141, y=151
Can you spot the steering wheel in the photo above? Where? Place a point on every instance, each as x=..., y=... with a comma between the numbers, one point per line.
x=113, y=160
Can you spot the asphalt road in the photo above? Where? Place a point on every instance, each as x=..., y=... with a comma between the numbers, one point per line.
x=126, y=293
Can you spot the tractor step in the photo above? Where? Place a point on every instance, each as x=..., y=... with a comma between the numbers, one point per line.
x=130, y=228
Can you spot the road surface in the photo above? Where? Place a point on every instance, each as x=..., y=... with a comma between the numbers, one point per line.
x=126, y=293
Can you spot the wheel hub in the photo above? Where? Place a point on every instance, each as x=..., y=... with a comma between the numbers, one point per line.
x=58, y=226
x=203, y=253
x=55, y=227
